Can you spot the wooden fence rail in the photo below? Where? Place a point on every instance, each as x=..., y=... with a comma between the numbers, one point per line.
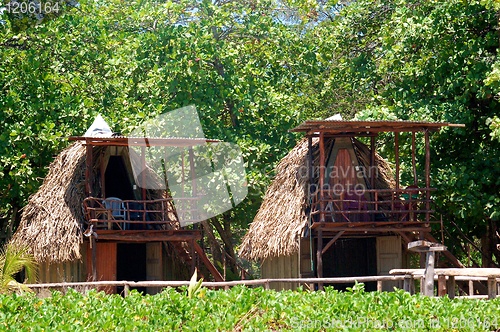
x=407, y=281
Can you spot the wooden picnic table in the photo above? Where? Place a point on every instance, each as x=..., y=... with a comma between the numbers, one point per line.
x=446, y=278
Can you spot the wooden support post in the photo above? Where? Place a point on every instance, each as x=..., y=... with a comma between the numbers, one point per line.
x=471, y=287
x=396, y=155
x=450, y=286
x=429, y=274
x=194, y=212
x=321, y=176
x=126, y=290
x=310, y=170
x=413, y=159
x=492, y=287
x=94, y=257
x=319, y=258
x=143, y=175
x=442, y=291
x=379, y=286
x=373, y=174
x=193, y=256
x=407, y=283
x=427, y=176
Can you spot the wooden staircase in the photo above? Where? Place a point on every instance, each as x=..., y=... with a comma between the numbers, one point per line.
x=182, y=251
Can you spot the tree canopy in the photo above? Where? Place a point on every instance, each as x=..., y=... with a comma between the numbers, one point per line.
x=255, y=69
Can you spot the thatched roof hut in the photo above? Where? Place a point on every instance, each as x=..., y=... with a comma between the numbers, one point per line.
x=281, y=219
x=52, y=223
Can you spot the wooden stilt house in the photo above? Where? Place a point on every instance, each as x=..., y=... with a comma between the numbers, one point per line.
x=337, y=209
x=94, y=219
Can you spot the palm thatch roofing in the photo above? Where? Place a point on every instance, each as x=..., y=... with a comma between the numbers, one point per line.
x=280, y=221
x=52, y=223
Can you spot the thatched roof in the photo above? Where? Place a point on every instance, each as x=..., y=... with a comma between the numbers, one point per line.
x=279, y=223
x=51, y=221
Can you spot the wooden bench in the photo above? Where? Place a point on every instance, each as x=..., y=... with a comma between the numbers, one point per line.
x=446, y=278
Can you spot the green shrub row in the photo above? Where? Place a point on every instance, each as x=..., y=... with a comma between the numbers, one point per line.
x=242, y=308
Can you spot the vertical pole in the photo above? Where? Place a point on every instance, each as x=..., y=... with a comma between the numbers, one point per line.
x=372, y=176
x=193, y=181
x=413, y=159
x=193, y=257
x=310, y=167
x=450, y=286
x=396, y=152
x=103, y=174
x=372, y=162
x=319, y=257
x=429, y=274
x=492, y=287
x=427, y=176
x=322, y=175
x=94, y=257
x=143, y=173
x=442, y=285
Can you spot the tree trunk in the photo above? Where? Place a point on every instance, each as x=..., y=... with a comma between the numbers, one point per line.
x=214, y=244
x=226, y=236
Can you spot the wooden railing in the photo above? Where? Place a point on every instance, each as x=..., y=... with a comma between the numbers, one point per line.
x=406, y=283
x=410, y=204
x=137, y=214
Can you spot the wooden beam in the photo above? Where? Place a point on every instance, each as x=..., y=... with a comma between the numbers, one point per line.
x=413, y=159
x=427, y=174
x=319, y=258
x=332, y=241
x=396, y=154
x=321, y=176
x=215, y=273
x=93, y=245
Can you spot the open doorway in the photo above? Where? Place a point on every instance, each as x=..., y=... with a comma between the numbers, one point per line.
x=131, y=263
x=349, y=258
x=117, y=180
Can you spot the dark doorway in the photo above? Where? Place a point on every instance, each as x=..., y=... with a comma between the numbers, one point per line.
x=117, y=181
x=350, y=258
x=131, y=263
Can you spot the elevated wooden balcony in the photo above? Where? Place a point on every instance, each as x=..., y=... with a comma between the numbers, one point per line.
x=138, y=215
x=372, y=205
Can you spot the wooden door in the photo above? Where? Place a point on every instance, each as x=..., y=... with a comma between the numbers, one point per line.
x=389, y=256
x=154, y=264
x=105, y=264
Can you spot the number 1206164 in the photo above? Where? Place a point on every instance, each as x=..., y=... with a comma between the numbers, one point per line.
x=31, y=7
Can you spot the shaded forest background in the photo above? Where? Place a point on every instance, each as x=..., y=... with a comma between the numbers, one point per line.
x=255, y=69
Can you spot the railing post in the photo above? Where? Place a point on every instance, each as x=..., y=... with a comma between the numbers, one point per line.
x=126, y=289
x=407, y=281
x=492, y=287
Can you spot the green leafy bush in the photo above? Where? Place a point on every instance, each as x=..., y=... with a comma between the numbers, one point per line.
x=242, y=308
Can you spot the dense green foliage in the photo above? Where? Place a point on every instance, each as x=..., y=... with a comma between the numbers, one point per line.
x=246, y=309
x=254, y=70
